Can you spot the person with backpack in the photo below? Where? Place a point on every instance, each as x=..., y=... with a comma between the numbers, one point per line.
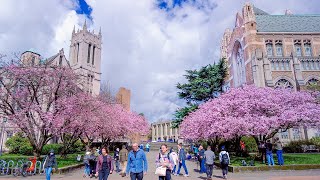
x=202, y=160
x=209, y=157
x=49, y=163
x=116, y=159
x=164, y=160
x=123, y=155
x=182, y=161
x=137, y=163
x=104, y=165
x=224, y=159
x=269, y=153
x=86, y=159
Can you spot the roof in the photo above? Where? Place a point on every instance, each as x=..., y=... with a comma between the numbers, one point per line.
x=288, y=23
x=258, y=11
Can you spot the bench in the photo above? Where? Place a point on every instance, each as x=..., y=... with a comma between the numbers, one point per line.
x=310, y=148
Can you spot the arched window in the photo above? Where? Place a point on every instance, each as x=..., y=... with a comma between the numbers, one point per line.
x=297, y=46
x=269, y=48
x=279, y=51
x=240, y=68
x=307, y=48
x=283, y=83
x=313, y=81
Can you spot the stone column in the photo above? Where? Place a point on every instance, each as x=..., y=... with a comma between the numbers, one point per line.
x=157, y=128
x=176, y=133
x=153, y=133
x=171, y=130
x=166, y=131
x=161, y=132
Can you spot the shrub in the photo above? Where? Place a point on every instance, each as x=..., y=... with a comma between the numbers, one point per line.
x=78, y=147
x=56, y=147
x=26, y=149
x=250, y=142
x=15, y=142
x=296, y=146
x=316, y=141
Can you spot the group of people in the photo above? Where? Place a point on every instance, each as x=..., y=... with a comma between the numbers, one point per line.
x=207, y=157
x=266, y=149
x=147, y=147
x=98, y=163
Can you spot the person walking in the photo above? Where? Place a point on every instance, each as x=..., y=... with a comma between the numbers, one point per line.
x=182, y=161
x=104, y=165
x=123, y=156
x=269, y=153
x=202, y=160
x=116, y=159
x=224, y=159
x=262, y=149
x=141, y=146
x=279, y=147
x=175, y=158
x=148, y=147
x=87, y=169
x=137, y=164
x=164, y=160
x=93, y=161
x=50, y=162
x=209, y=157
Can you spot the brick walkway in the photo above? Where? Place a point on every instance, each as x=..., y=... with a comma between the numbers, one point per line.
x=270, y=175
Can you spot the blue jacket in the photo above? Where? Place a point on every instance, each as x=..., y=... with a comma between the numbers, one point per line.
x=137, y=164
x=182, y=155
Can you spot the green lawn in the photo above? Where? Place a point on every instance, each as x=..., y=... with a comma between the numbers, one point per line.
x=289, y=159
x=70, y=160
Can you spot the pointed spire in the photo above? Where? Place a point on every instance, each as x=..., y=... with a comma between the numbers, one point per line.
x=85, y=25
x=100, y=32
x=74, y=29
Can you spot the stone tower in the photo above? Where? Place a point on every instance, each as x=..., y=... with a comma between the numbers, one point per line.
x=85, y=58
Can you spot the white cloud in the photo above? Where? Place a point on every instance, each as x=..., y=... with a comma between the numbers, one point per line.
x=35, y=24
x=144, y=48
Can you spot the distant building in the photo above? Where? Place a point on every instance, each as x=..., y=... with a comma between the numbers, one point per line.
x=123, y=97
x=163, y=131
x=279, y=51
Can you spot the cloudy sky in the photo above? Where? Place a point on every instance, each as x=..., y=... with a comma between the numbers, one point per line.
x=147, y=44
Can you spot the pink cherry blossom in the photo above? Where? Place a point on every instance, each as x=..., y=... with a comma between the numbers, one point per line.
x=251, y=111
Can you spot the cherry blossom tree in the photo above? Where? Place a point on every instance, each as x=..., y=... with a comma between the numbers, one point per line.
x=29, y=96
x=251, y=111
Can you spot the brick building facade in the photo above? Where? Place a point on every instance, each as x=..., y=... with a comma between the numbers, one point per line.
x=280, y=51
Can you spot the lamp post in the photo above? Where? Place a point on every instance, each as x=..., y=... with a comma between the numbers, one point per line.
x=4, y=120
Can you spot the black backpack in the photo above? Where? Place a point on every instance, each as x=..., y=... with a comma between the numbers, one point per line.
x=225, y=159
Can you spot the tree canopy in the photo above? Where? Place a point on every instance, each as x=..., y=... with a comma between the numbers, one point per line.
x=202, y=85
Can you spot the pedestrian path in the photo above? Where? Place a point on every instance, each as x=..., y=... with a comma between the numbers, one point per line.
x=194, y=175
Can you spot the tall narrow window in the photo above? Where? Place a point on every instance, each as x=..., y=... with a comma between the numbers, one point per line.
x=269, y=48
x=33, y=61
x=307, y=47
x=60, y=61
x=89, y=47
x=279, y=51
x=297, y=46
x=93, y=51
x=77, y=52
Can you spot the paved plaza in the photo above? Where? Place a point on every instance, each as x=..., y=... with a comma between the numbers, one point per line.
x=192, y=167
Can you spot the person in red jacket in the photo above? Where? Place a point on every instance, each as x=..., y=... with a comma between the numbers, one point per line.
x=104, y=165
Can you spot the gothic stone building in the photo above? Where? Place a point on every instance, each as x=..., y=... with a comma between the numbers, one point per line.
x=280, y=51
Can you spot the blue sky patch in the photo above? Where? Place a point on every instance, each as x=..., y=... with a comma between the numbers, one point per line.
x=84, y=8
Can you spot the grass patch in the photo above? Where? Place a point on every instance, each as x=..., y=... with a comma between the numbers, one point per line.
x=289, y=159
